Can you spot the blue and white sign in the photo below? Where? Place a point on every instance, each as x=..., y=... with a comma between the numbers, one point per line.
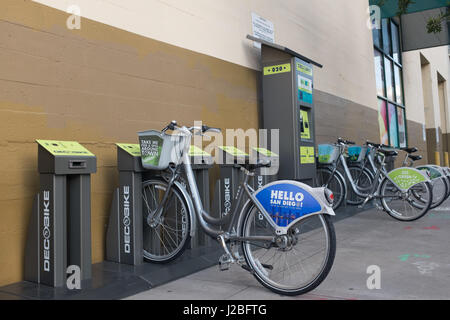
x=287, y=202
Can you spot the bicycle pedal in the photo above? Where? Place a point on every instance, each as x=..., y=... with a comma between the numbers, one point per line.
x=224, y=266
x=224, y=262
x=267, y=266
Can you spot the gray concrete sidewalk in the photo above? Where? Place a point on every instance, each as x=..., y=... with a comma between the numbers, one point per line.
x=414, y=258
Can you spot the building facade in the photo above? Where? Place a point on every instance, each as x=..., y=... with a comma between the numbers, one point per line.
x=135, y=65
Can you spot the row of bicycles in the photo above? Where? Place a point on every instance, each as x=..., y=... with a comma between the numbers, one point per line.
x=281, y=233
x=358, y=175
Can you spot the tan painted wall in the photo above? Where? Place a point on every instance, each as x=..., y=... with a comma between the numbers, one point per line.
x=332, y=32
x=101, y=84
x=98, y=86
x=414, y=98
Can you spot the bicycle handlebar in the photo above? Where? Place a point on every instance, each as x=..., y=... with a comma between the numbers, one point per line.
x=204, y=128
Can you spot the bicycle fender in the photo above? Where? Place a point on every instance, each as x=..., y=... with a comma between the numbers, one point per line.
x=433, y=172
x=404, y=178
x=190, y=205
x=288, y=202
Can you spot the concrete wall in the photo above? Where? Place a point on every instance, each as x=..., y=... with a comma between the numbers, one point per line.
x=333, y=32
x=425, y=71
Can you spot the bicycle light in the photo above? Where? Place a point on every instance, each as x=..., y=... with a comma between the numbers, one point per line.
x=329, y=196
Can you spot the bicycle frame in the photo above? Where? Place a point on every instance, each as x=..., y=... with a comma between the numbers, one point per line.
x=205, y=220
x=380, y=173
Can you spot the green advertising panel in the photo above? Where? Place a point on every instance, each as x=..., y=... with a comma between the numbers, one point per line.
x=151, y=147
x=307, y=155
x=405, y=178
x=64, y=148
x=133, y=149
x=431, y=172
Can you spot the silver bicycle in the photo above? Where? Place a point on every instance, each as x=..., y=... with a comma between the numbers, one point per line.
x=282, y=233
x=405, y=193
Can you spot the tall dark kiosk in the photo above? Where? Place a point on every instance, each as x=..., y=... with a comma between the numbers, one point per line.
x=59, y=233
x=288, y=105
x=124, y=234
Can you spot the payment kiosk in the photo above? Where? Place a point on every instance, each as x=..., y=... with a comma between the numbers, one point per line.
x=288, y=105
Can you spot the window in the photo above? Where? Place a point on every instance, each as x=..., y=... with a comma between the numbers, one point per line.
x=389, y=81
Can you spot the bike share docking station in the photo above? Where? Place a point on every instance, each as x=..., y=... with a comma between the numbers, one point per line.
x=264, y=176
x=231, y=174
x=288, y=105
x=124, y=237
x=59, y=233
x=124, y=233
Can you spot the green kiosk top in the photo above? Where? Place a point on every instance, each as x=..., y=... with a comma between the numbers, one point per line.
x=65, y=157
x=131, y=148
x=232, y=155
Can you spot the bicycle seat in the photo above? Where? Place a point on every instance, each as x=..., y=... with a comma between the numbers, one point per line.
x=340, y=140
x=373, y=144
x=415, y=158
x=254, y=166
x=409, y=150
x=388, y=153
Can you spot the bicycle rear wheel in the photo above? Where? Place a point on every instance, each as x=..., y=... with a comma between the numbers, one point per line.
x=440, y=191
x=407, y=206
x=334, y=182
x=166, y=239
x=295, y=264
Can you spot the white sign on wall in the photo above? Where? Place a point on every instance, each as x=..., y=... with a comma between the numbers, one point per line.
x=424, y=133
x=262, y=29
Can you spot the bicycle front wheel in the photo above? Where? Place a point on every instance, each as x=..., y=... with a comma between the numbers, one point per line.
x=166, y=238
x=295, y=263
x=406, y=206
x=326, y=178
x=363, y=180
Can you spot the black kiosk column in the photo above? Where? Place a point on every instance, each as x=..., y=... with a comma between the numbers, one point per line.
x=288, y=105
x=59, y=232
x=124, y=233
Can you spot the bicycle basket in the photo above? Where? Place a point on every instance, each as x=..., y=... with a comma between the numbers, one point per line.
x=328, y=153
x=159, y=149
x=357, y=153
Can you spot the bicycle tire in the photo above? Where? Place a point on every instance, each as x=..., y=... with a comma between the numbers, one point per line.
x=337, y=185
x=185, y=235
x=352, y=198
x=259, y=274
x=397, y=215
x=439, y=196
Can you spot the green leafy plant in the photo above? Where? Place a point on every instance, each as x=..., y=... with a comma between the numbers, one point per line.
x=403, y=6
x=434, y=24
